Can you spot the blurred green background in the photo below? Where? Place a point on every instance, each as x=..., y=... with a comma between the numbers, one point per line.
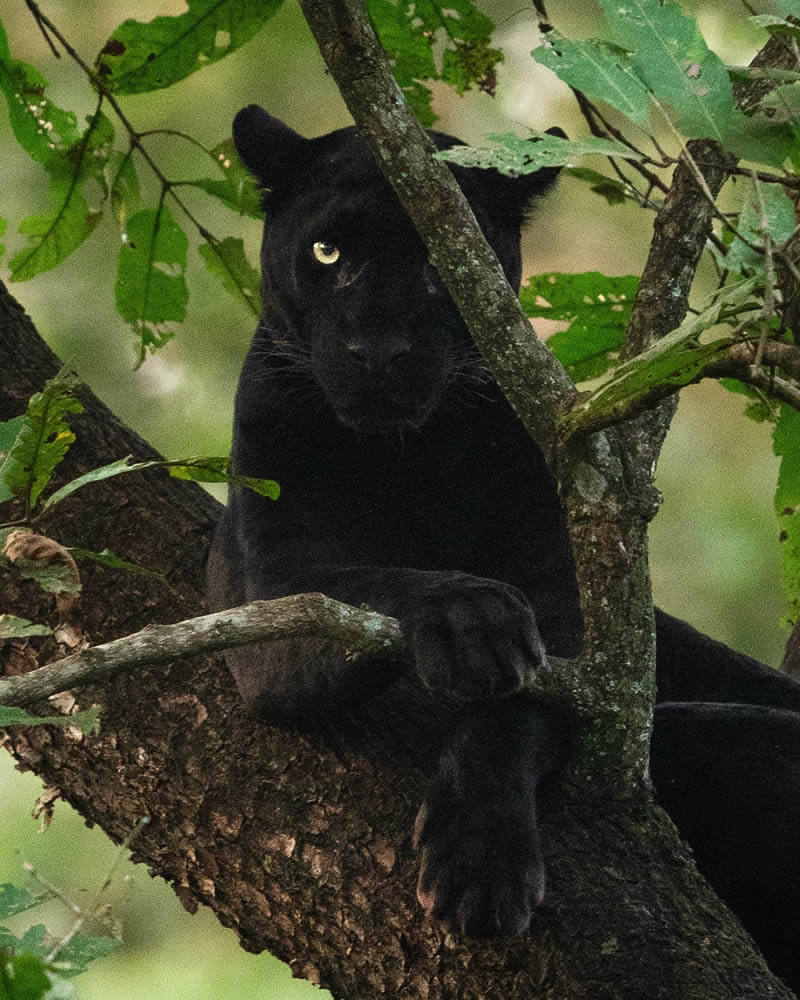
x=715, y=557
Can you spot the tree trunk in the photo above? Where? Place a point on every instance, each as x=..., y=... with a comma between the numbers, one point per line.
x=301, y=841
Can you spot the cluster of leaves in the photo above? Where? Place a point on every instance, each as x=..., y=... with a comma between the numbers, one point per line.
x=87, y=171
x=31, y=447
x=657, y=66
x=36, y=965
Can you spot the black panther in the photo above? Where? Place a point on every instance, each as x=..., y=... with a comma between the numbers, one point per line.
x=409, y=485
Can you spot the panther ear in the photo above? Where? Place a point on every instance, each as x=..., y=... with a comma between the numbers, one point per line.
x=269, y=149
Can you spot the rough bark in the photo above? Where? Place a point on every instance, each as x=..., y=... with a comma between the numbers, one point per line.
x=301, y=841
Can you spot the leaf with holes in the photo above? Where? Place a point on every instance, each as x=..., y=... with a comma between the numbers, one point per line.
x=42, y=439
x=16, y=899
x=597, y=308
x=151, y=288
x=410, y=31
x=226, y=260
x=786, y=443
x=676, y=359
x=141, y=57
x=512, y=155
x=82, y=950
x=43, y=130
x=673, y=60
x=598, y=69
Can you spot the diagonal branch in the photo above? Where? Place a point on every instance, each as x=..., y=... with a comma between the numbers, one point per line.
x=286, y=617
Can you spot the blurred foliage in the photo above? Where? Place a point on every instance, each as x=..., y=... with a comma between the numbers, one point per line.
x=715, y=553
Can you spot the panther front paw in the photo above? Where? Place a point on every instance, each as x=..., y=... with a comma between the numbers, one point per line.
x=472, y=637
x=481, y=868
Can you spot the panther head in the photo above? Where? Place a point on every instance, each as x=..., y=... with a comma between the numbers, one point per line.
x=350, y=298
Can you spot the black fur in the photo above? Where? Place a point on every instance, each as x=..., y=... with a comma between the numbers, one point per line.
x=409, y=485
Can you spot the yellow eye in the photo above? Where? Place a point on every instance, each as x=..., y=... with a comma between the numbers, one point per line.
x=325, y=252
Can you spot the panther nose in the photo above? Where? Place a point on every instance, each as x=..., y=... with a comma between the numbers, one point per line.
x=378, y=356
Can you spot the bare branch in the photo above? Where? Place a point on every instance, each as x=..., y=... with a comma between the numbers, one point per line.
x=287, y=617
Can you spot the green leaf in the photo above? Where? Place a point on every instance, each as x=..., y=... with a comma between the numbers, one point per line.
x=94, y=476
x=237, y=190
x=672, y=59
x=790, y=8
x=42, y=439
x=44, y=130
x=55, y=234
x=200, y=470
x=600, y=70
x=12, y=627
x=744, y=74
x=675, y=360
x=84, y=949
x=16, y=899
x=759, y=409
x=758, y=138
x=33, y=940
x=23, y=977
x=410, y=31
x=53, y=578
x=3, y=225
x=141, y=57
x=786, y=444
x=218, y=470
x=9, y=434
x=110, y=560
x=123, y=184
x=612, y=189
x=512, y=155
x=409, y=47
x=596, y=306
x=87, y=722
x=784, y=99
x=226, y=260
x=775, y=25
x=780, y=224
x=151, y=288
